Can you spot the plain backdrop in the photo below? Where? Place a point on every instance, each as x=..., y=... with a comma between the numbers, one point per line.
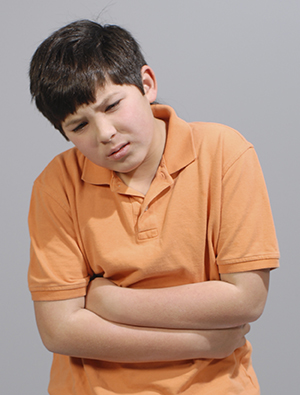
x=233, y=62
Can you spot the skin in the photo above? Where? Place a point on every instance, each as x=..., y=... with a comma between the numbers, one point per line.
x=121, y=117
x=235, y=300
x=204, y=320
x=66, y=327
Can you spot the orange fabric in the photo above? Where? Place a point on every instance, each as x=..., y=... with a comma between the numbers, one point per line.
x=206, y=212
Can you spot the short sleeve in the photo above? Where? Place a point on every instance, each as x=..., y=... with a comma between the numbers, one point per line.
x=247, y=239
x=57, y=269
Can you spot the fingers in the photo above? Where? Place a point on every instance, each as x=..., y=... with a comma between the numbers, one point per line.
x=246, y=329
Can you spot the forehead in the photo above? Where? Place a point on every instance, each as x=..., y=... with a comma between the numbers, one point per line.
x=109, y=89
x=106, y=93
x=104, y=96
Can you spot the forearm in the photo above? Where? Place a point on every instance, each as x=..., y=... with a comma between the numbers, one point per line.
x=207, y=305
x=92, y=337
x=83, y=334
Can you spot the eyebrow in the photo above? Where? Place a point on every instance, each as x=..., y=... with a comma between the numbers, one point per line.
x=103, y=103
x=73, y=122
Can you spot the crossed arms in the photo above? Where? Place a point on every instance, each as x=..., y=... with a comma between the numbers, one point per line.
x=201, y=320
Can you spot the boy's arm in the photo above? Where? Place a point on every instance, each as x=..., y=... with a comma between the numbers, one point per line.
x=66, y=327
x=237, y=299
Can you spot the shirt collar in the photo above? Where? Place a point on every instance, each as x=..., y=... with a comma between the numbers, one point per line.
x=179, y=150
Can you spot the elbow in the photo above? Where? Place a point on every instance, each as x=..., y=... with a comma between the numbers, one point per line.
x=52, y=341
x=57, y=322
x=50, y=345
x=256, y=311
x=250, y=294
x=251, y=311
x=56, y=338
x=61, y=342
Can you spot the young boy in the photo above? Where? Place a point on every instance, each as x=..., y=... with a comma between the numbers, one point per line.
x=151, y=240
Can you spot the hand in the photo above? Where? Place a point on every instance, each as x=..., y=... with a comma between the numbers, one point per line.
x=223, y=342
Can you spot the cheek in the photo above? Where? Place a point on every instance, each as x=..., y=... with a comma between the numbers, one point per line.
x=85, y=141
x=85, y=145
x=127, y=118
x=141, y=127
x=135, y=116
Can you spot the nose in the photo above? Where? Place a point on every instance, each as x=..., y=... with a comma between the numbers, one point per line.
x=104, y=130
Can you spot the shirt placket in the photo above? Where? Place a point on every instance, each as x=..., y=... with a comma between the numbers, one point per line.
x=147, y=222
x=143, y=207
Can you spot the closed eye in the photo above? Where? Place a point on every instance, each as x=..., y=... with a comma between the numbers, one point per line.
x=112, y=106
x=79, y=127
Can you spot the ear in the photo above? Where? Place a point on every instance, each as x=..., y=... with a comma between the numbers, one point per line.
x=149, y=83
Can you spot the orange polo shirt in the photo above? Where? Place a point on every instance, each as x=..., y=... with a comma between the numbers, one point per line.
x=207, y=212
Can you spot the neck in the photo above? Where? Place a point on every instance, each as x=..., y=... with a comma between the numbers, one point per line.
x=141, y=178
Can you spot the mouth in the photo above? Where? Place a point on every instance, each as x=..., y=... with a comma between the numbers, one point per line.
x=119, y=151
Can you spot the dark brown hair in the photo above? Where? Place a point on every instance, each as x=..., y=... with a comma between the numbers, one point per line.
x=69, y=65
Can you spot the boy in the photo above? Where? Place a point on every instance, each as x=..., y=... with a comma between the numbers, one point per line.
x=151, y=240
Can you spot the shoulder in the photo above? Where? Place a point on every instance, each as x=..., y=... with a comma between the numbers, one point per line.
x=216, y=133
x=61, y=177
x=219, y=140
x=65, y=166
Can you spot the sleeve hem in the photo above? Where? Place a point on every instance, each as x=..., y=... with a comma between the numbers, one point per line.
x=272, y=263
x=51, y=295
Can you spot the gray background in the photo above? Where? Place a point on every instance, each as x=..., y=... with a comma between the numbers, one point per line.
x=234, y=62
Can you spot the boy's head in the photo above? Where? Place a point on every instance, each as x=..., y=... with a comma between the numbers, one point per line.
x=74, y=61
